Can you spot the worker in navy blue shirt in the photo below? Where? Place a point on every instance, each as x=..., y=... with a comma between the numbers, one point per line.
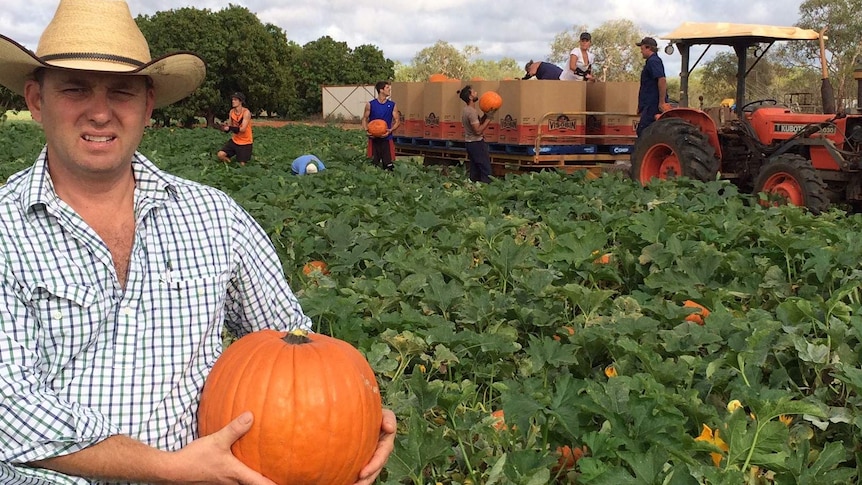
x=542, y=70
x=652, y=96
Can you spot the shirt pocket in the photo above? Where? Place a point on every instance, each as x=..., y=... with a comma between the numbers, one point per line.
x=72, y=316
x=190, y=308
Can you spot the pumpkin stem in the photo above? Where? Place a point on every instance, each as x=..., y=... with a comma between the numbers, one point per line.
x=296, y=336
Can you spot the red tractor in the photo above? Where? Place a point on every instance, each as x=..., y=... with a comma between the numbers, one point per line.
x=805, y=159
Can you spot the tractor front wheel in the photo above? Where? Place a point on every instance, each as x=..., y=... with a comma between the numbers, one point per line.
x=791, y=179
x=672, y=147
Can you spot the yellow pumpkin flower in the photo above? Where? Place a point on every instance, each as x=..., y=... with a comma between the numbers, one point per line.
x=734, y=405
x=710, y=436
x=611, y=371
x=786, y=419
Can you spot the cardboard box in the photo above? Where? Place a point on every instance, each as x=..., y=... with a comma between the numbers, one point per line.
x=620, y=101
x=441, y=108
x=551, y=110
x=619, y=98
x=408, y=101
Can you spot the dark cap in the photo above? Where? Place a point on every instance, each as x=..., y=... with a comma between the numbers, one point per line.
x=527, y=74
x=238, y=95
x=648, y=41
x=586, y=36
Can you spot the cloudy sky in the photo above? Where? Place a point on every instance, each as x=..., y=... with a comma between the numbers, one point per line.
x=400, y=28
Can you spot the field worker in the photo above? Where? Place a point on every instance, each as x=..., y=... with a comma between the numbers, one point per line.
x=241, y=140
x=306, y=164
x=580, y=66
x=542, y=70
x=381, y=150
x=117, y=279
x=652, y=95
x=474, y=140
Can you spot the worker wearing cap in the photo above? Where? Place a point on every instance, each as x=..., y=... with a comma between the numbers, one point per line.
x=580, y=67
x=239, y=125
x=542, y=70
x=652, y=95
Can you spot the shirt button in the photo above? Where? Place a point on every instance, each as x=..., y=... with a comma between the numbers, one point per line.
x=127, y=311
x=57, y=315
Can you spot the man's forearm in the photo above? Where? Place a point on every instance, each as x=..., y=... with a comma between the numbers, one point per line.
x=116, y=458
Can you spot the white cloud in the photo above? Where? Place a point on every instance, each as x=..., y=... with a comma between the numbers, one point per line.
x=499, y=28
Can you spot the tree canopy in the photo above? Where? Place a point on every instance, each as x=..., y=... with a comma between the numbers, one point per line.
x=280, y=77
x=242, y=54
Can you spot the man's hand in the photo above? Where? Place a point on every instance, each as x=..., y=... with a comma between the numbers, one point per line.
x=209, y=459
x=385, y=445
x=664, y=107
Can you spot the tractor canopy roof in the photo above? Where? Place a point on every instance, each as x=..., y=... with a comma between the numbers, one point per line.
x=740, y=37
x=724, y=33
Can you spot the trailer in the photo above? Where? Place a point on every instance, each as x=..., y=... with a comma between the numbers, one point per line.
x=594, y=153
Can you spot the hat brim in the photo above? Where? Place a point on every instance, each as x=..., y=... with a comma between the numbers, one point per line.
x=174, y=75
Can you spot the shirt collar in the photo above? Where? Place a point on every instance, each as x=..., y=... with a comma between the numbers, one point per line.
x=150, y=182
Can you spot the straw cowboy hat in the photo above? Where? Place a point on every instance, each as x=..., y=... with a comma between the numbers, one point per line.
x=101, y=36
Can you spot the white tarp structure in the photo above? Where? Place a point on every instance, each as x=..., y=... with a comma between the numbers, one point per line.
x=345, y=102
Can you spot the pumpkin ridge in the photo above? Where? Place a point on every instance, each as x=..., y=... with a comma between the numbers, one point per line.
x=350, y=469
x=239, y=387
x=255, y=435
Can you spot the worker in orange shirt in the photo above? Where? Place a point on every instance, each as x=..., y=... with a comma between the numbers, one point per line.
x=241, y=139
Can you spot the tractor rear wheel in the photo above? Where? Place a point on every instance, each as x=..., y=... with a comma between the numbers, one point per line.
x=672, y=147
x=791, y=179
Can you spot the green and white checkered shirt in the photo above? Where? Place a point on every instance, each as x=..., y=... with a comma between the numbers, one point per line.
x=81, y=358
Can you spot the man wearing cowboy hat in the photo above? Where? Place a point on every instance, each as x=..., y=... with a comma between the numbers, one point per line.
x=116, y=279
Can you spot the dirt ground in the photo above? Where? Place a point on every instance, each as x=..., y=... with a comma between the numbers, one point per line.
x=281, y=123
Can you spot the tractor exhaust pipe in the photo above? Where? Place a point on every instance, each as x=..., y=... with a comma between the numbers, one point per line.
x=826, y=94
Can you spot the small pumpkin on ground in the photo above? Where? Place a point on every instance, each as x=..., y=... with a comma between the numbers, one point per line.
x=315, y=266
x=315, y=400
x=697, y=317
x=567, y=457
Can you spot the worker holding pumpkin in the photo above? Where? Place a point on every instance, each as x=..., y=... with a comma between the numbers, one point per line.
x=117, y=279
x=475, y=125
x=381, y=144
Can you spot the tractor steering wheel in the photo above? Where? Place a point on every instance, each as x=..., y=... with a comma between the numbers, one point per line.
x=751, y=106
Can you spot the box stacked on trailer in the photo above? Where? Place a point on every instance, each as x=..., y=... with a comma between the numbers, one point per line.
x=442, y=110
x=619, y=102
x=548, y=109
x=408, y=100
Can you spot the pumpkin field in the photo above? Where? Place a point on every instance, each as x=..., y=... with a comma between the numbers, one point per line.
x=536, y=330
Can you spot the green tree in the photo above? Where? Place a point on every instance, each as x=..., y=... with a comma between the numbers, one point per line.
x=326, y=61
x=442, y=58
x=193, y=30
x=843, y=47
x=505, y=68
x=10, y=101
x=241, y=54
x=465, y=64
x=371, y=66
